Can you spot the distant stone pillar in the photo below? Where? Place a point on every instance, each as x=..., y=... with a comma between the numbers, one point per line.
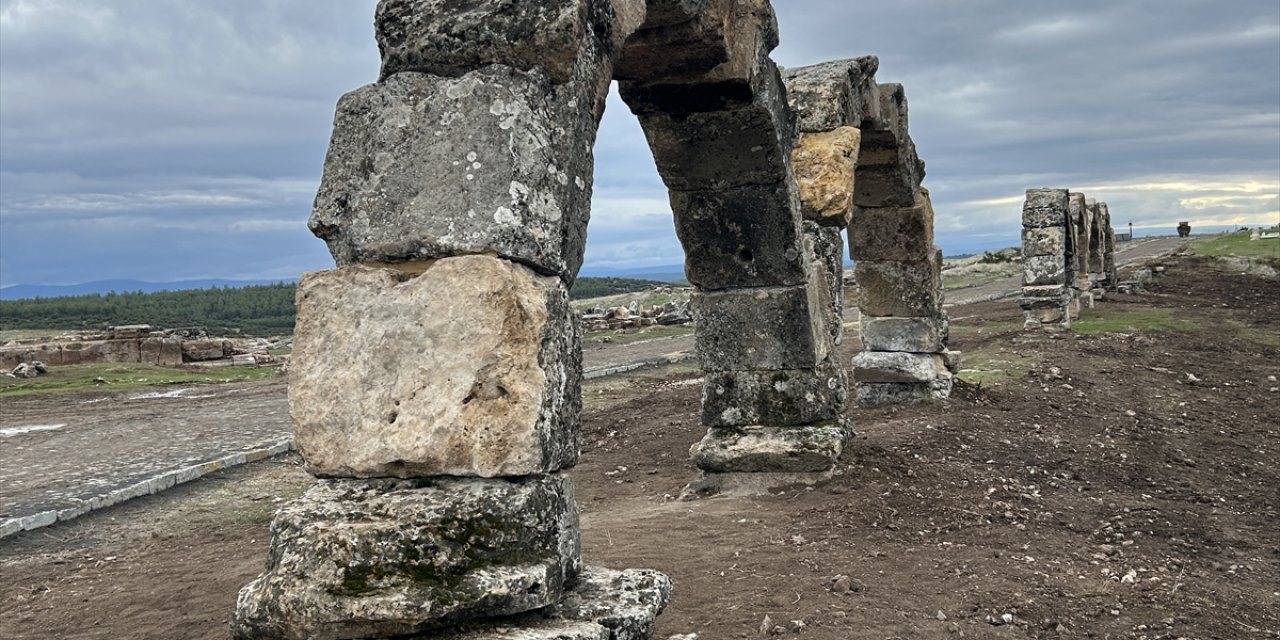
x=1097, y=249
x=436, y=382
x=1046, y=280
x=712, y=107
x=1081, y=224
x=1108, y=249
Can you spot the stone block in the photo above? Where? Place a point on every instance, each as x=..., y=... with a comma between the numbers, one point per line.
x=833, y=94
x=1044, y=270
x=472, y=368
x=824, y=166
x=952, y=360
x=1055, y=199
x=824, y=247
x=915, y=335
x=771, y=449
x=1045, y=291
x=450, y=38
x=1047, y=241
x=374, y=558
x=896, y=366
x=1038, y=315
x=760, y=329
x=205, y=350
x=698, y=42
x=747, y=236
x=1055, y=302
x=881, y=394
x=893, y=233
x=778, y=398
x=166, y=352
x=494, y=161
x=900, y=289
x=889, y=172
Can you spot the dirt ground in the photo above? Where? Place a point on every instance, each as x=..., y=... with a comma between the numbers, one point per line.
x=1118, y=483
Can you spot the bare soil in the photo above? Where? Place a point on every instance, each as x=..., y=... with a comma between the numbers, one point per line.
x=1113, y=485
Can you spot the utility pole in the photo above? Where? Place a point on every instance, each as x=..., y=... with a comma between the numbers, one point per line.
x=1130, y=231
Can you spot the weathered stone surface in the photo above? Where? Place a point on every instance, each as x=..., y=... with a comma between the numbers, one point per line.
x=824, y=247
x=1043, y=313
x=952, y=360
x=915, y=335
x=626, y=602
x=723, y=141
x=1045, y=208
x=1049, y=241
x=495, y=161
x=879, y=394
x=1044, y=270
x=824, y=164
x=779, y=398
x=900, y=289
x=553, y=629
x=1046, y=291
x=1054, y=302
x=694, y=42
x=450, y=38
x=893, y=233
x=889, y=171
x=759, y=329
x=771, y=449
x=472, y=368
x=368, y=558
x=203, y=350
x=745, y=236
x=833, y=94
x=896, y=366
x=162, y=351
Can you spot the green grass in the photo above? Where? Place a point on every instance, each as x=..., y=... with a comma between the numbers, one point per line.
x=629, y=336
x=118, y=376
x=1095, y=321
x=1238, y=244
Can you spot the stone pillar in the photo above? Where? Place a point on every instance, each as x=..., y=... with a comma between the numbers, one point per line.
x=436, y=382
x=890, y=221
x=1097, y=249
x=1046, y=290
x=1108, y=249
x=1082, y=227
x=712, y=106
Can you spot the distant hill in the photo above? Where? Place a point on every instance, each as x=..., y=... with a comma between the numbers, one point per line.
x=671, y=273
x=23, y=291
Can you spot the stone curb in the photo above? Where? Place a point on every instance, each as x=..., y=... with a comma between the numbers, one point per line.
x=671, y=358
x=156, y=484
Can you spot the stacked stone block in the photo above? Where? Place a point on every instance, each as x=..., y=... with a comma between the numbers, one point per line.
x=436, y=385
x=712, y=105
x=874, y=190
x=1068, y=249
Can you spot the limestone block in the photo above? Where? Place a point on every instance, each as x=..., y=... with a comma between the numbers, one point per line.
x=472, y=368
x=373, y=558
x=779, y=398
x=165, y=352
x=626, y=602
x=552, y=629
x=449, y=38
x=720, y=143
x=689, y=42
x=824, y=164
x=1045, y=291
x=825, y=249
x=1048, y=199
x=881, y=394
x=900, y=289
x=203, y=350
x=1037, y=315
x=747, y=236
x=833, y=94
x=1044, y=270
x=952, y=359
x=893, y=233
x=771, y=449
x=915, y=335
x=759, y=329
x=896, y=366
x=1048, y=241
x=494, y=161
x=1055, y=302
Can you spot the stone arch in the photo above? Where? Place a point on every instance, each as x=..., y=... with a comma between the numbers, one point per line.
x=1065, y=256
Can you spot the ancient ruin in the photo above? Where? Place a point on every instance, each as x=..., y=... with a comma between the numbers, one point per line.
x=1068, y=259
x=455, y=201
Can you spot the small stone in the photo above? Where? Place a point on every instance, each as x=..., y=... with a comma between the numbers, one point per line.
x=941, y=616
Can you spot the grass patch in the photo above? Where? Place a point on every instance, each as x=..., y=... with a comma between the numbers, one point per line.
x=599, y=394
x=1238, y=244
x=1095, y=321
x=992, y=367
x=125, y=376
x=630, y=336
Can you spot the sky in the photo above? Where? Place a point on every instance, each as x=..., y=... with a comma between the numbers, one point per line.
x=182, y=140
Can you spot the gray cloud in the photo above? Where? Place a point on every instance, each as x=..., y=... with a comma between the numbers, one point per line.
x=175, y=140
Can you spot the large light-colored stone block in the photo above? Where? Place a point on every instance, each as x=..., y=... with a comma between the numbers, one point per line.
x=472, y=368
x=824, y=164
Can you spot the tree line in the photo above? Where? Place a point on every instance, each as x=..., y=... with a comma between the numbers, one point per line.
x=256, y=310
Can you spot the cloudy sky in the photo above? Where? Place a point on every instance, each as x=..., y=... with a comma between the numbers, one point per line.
x=176, y=140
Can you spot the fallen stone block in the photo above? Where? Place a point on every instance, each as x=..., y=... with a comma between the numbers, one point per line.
x=373, y=558
x=811, y=448
x=896, y=366
x=472, y=368
x=769, y=328
x=778, y=398
x=915, y=335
